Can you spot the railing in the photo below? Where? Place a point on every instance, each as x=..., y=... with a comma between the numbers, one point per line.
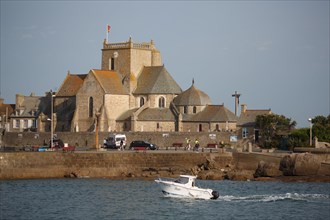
x=147, y=46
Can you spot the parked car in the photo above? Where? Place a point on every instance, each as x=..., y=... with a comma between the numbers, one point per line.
x=142, y=145
x=113, y=141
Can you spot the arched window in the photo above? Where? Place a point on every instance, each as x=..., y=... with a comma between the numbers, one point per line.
x=141, y=101
x=185, y=109
x=194, y=109
x=217, y=127
x=200, y=128
x=111, y=64
x=161, y=103
x=90, y=107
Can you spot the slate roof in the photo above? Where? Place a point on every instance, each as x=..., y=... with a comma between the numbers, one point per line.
x=156, y=80
x=127, y=114
x=33, y=106
x=71, y=85
x=212, y=113
x=248, y=117
x=110, y=81
x=156, y=114
x=192, y=97
x=149, y=114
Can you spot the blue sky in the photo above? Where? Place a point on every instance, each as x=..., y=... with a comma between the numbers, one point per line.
x=275, y=53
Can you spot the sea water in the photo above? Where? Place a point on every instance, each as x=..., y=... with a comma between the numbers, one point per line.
x=137, y=199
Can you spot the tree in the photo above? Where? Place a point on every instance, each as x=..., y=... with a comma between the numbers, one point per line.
x=273, y=128
x=321, y=128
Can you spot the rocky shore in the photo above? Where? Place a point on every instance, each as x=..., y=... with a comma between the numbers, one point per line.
x=302, y=167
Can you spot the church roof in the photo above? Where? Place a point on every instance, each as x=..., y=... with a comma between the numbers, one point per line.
x=149, y=114
x=156, y=80
x=212, y=113
x=248, y=117
x=110, y=81
x=71, y=85
x=192, y=97
x=156, y=114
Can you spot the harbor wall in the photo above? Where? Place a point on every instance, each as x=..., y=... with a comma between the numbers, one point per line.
x=117, y=164
x=25, y=165
x=87, y=139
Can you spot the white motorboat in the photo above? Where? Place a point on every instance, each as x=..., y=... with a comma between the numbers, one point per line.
x=185, y=186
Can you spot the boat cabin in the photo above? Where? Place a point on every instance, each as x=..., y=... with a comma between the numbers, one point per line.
x=186, y=180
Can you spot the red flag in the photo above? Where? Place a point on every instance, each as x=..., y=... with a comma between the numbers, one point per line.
x=108, y=28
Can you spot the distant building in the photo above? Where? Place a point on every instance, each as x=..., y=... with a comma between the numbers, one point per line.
x=5, y=111
x=246, y=126
x=31, y=113
x=133, y=91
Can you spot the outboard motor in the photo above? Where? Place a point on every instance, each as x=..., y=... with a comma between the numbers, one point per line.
x=215, y=194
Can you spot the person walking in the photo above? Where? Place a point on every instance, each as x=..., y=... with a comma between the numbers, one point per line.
x=188, y=144
x=121, y=145
x=196, y=145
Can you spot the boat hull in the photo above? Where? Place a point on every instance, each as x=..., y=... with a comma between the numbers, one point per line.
x=178, y=190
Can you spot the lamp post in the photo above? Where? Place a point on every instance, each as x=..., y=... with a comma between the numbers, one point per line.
x=310, y=131
x=97, y=114
x=51, y=119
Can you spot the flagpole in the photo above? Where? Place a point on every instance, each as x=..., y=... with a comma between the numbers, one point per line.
x=107, y=30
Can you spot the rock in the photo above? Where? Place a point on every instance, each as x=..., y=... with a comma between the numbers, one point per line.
x=71, y=175
x=240, y=175
x=306, y=164
x=287, y=165
x=267, y=170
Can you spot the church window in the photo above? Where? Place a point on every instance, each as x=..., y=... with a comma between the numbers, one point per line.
x=217, y=127
x=141, y=101
x=158, y=126
x=200, y=128
x=90, y=107
x=185, y=109
x=194, y=109
x=112, y=64
x=161, y=103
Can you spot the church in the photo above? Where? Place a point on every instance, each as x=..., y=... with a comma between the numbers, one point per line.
x=133, y=91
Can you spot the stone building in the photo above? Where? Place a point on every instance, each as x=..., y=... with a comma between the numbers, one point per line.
x=133, y=91
x=5, y=111
x=31, y=113
x=65, y=101
x=246, y=126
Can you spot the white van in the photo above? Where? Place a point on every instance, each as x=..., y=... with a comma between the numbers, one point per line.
x=113, y=141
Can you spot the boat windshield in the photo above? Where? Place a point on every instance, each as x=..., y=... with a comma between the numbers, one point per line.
x=183, y=180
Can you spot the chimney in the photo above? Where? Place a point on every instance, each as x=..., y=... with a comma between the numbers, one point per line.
x=243, y=108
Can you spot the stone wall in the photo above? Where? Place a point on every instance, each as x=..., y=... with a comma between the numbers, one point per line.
x=23, y=165
x=87, y=139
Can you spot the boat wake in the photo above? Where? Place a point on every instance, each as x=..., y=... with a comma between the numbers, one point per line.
x=276, y=198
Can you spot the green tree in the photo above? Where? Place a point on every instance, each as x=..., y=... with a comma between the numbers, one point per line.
x=273, y=128
x=298, y=138
x=321, y=128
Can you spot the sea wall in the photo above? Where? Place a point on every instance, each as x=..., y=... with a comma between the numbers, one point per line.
x=23, y=165
x=151, y=164
x=87, y=139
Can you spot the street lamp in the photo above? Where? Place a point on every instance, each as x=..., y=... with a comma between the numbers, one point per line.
x=51, y=119
x=310, y=131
